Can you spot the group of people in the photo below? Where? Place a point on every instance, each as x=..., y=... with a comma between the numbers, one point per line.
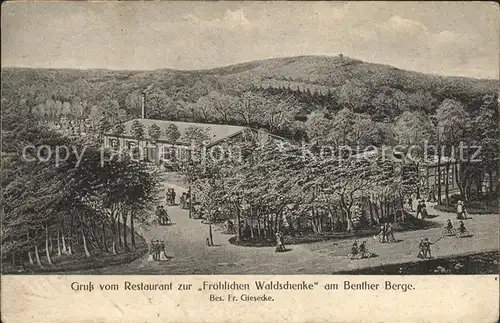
x=162, y=215
x=280, y=243
x=157, y=250
x=386, y=233
x=425, y=248
x=421, y=209
x=451, y=231
x=184, y=200
x=170, y=196
x=359, y=251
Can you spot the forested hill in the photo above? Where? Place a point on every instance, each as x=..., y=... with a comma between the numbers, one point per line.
x=314, y=83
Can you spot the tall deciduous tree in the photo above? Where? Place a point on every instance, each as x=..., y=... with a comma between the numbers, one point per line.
x=413, y=130
x=452, y=122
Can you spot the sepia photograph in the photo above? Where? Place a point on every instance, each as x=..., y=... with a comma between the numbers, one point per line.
x=250, y=138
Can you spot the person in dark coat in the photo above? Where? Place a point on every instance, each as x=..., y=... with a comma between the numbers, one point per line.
x=427, y=246
x=419, y=209
x=423, y=210
x=421, y=248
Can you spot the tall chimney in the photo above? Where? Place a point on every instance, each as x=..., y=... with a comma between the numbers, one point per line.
x=143, y=103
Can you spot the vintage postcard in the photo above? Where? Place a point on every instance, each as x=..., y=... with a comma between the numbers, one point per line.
x=250, y=161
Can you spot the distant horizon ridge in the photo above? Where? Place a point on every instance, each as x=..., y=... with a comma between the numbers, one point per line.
x=339, y=56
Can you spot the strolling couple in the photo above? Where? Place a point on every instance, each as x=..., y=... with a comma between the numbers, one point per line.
x=280, y=245
x=425, y=249
x=162, y=215
x=421, y=209
x=157, y=250
x=386, y=233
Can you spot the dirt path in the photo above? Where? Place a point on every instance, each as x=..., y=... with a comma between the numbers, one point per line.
x=185, y=243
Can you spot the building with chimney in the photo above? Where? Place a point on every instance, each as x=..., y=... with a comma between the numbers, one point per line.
x=162, y=149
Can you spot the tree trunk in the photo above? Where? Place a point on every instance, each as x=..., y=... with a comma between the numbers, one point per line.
x=382, y=215
x=51, y=246
x=30, y=258
x=264, y=223
x=59, y=243
x=119, y=231
x=258, y=223
x=350, y=224
x=418, y=181
x=387, y=206
x=190, y=201
x=372, y=218
x=64, y=249
x=375, y=210
x=461, y=182
x=276, y=223
x=402, y=208
x=47, y=251
x=125, y=243
x=84, y=239
x=479, y=184
x=320, y=221
x=491, y=182
x=114, y=231
x=29, y=252
x=439, y=175
x=251, y=224
x=447, y=184
x=210, y=235
x=238, y=226
x=132, y=231
x=37, y=256
x=313, y=220
x=71, y=234
x=104, y=238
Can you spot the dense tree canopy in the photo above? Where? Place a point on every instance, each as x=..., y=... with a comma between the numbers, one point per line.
x=65, y=190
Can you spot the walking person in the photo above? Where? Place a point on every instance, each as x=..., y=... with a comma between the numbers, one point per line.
x=167, y=197
x=419, y=209
x=423, y=210
x=173, y=197
x=162, y=255
x=381, y=235
x=390, y=233
x=282, y=239
x=157, y=250
x=410, y=203
x=464, y=212
x=427, y=245
x=432, y=194
x=165, y=216
x=462, y=230
x=279, y=246
x=421, y=248
x=461, y=211
x=158, y=214
x=151, y=250
x=162, y=216
x=363, y=251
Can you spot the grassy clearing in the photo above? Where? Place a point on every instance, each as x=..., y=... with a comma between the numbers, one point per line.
x=411, y=224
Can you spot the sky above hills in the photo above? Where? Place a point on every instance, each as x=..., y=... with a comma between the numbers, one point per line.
x=459, y=39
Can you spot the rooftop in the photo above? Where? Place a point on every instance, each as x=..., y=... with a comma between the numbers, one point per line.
x=215, y=132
